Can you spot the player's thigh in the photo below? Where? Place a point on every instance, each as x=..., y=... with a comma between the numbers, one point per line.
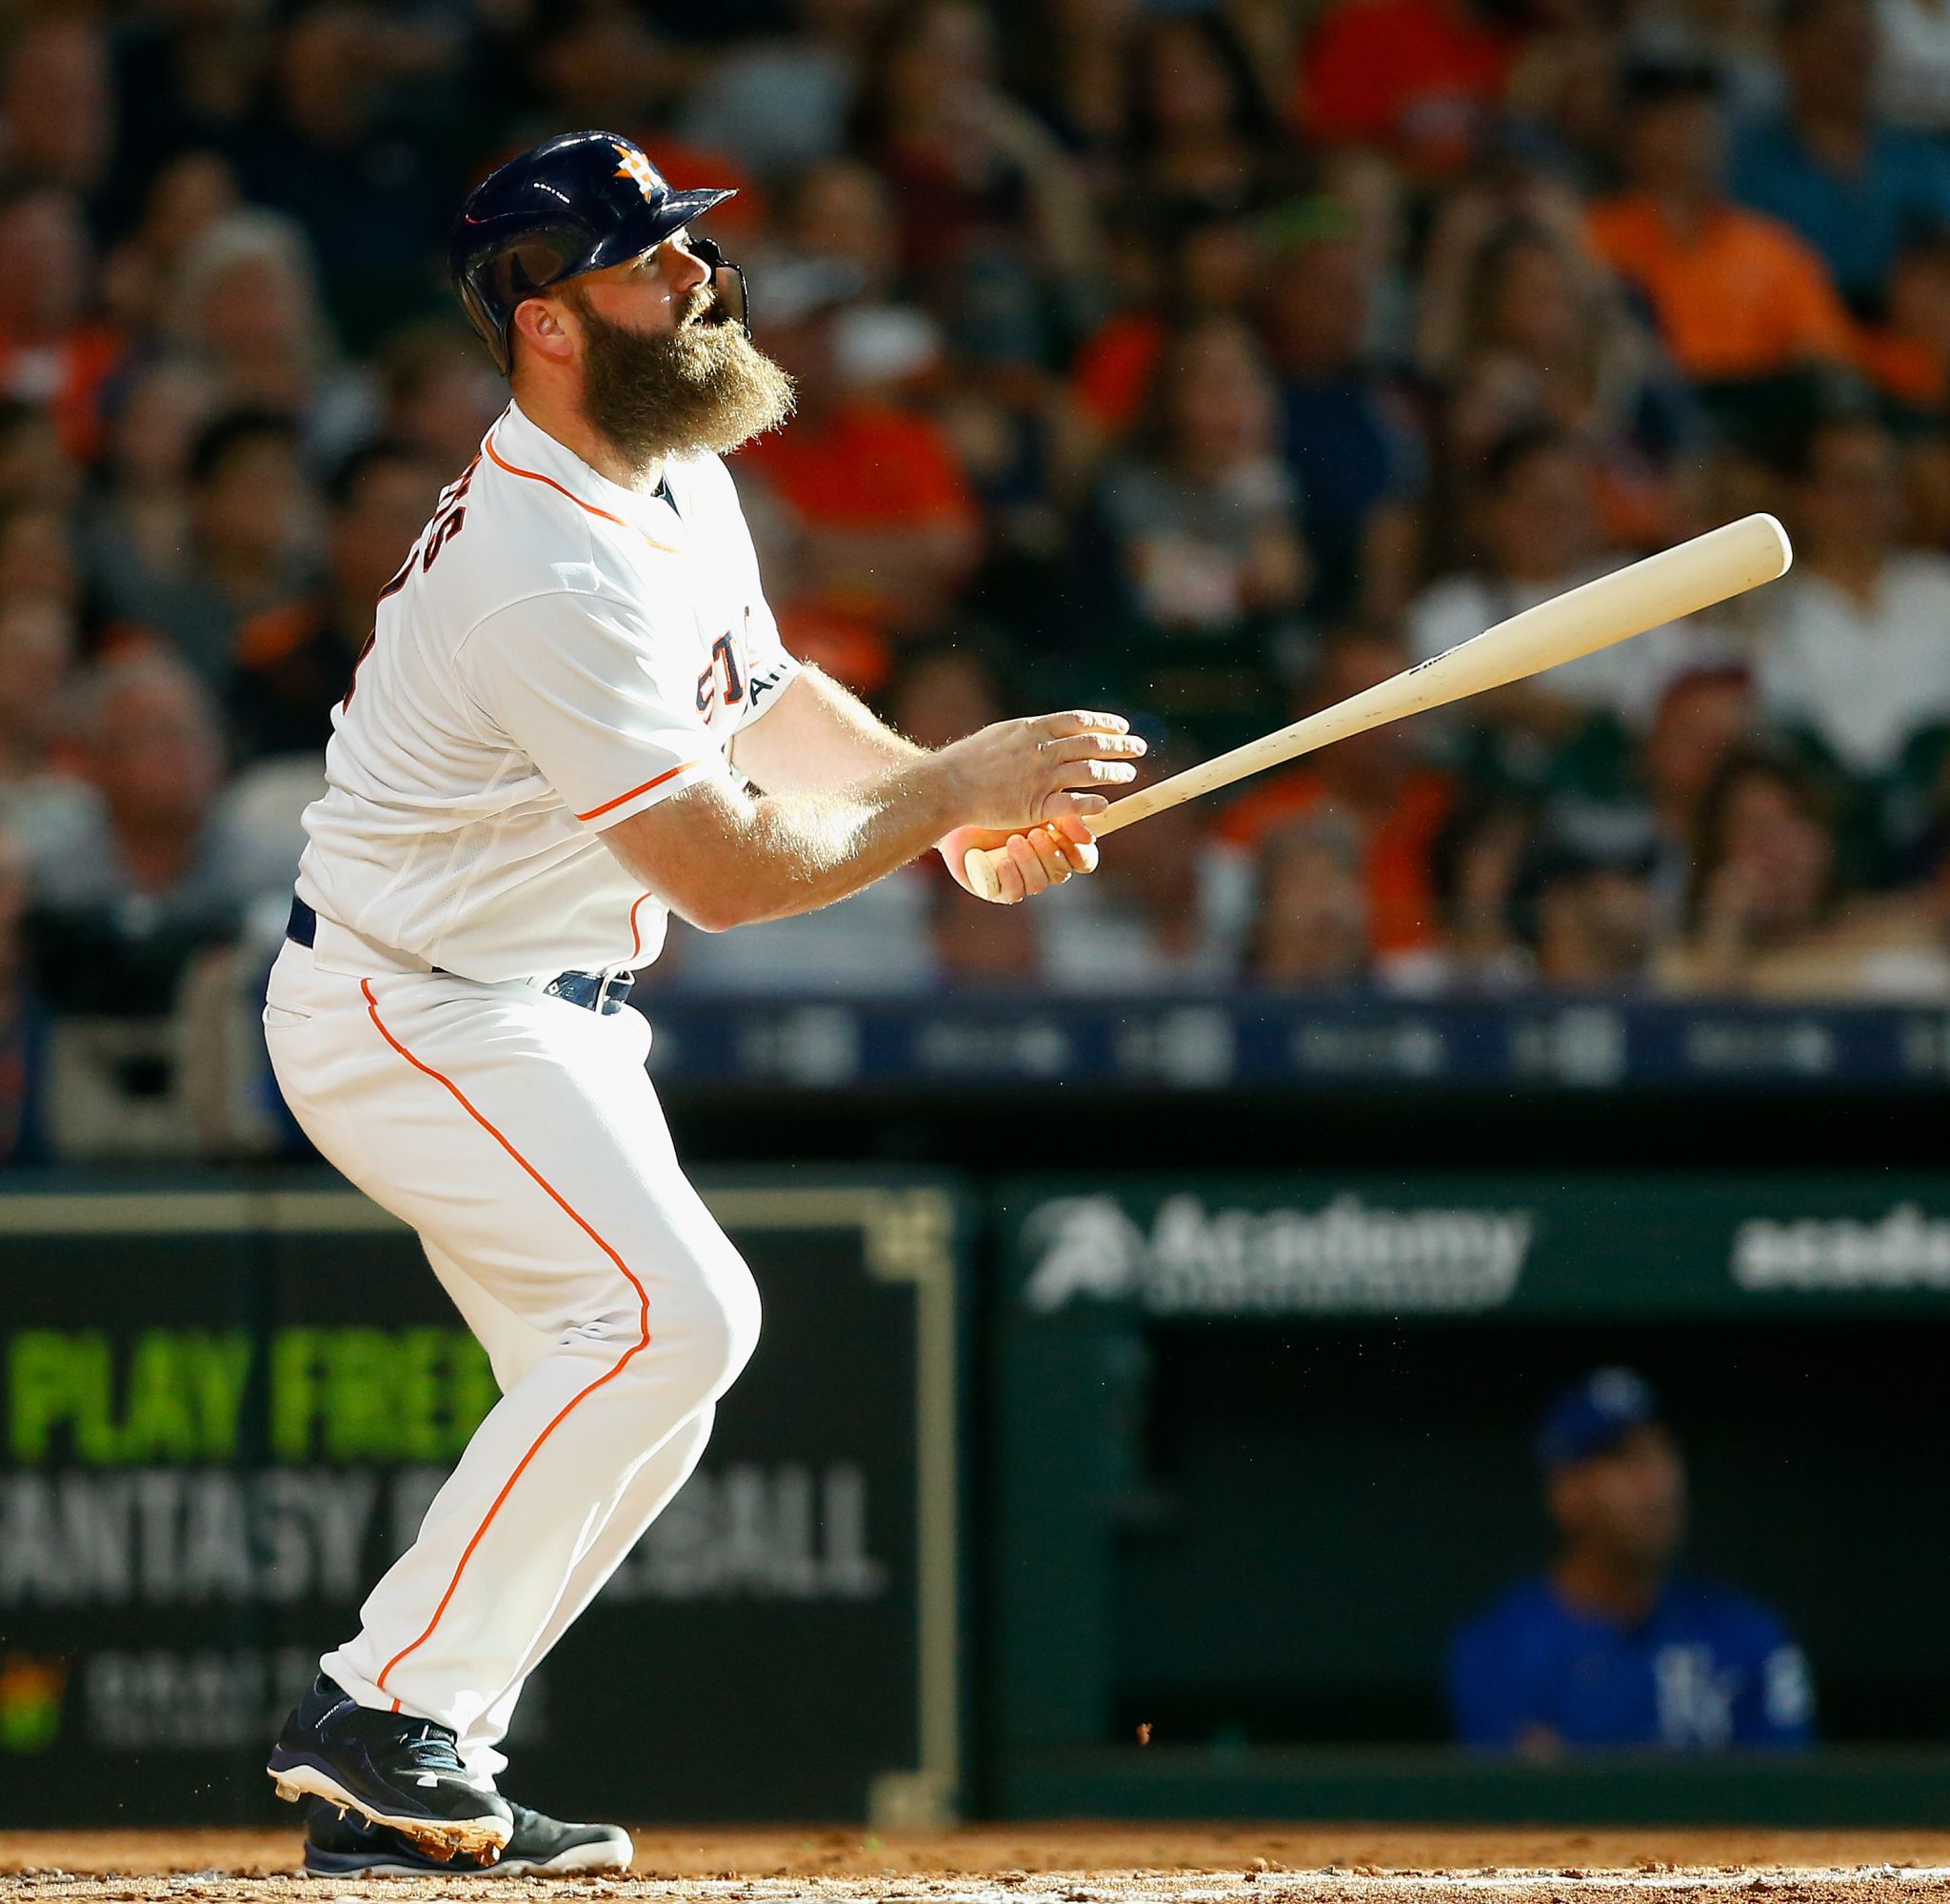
x=521, y=1137
x=514, y=1343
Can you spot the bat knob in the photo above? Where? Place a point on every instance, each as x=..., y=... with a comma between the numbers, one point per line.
x=978, y=864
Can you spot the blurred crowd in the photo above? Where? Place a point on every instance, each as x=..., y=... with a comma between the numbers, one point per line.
x=1207, y=363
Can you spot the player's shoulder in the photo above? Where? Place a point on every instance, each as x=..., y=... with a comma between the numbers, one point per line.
x=1511, y=1620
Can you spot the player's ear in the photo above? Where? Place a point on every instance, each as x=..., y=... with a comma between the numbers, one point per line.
x=544, y=326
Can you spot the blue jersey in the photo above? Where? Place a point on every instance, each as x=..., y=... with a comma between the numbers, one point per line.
x=1708, y=1669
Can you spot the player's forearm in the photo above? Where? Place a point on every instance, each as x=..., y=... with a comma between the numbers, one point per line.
x=775, y=855
x=817, y=739
x=720, y=858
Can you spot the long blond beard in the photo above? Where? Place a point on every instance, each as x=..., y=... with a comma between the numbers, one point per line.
x=702, y=388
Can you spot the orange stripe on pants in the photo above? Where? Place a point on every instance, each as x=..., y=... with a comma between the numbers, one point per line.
x=575, y=1401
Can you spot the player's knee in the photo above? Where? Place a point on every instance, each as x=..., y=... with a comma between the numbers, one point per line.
x=720, y=1323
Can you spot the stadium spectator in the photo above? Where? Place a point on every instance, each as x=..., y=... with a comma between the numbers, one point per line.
x=1519, y=311
x=53, y=351
x=244, y=308
x=40, y=804
x=123, y=901
x=1766, y=882
x=330, y=149
x=1419, y=79
x=1703, y=718
x=1855, y=189
x=1310, y=927
x=887, y=528
x=438, y=394
x=1610, y=1647
x=135, y=529
x=187, y=78
x=971, y=169
x=1594, y=920
x=1213, y=265
x=1854, y=648
x=1735, y=295
x=1197, y=522
x=35, y=470
x=1198, y=131
x=295, y=662
x=1393, y=805
x=57, y=107
x=1348, y=435
x=184, y=200
x=250, y=525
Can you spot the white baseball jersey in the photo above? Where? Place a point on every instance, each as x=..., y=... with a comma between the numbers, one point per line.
x=557, y=654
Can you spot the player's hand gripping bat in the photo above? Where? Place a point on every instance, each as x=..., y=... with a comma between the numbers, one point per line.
x=1712, y=567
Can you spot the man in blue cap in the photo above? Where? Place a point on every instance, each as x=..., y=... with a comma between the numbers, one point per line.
x=1608, y=1648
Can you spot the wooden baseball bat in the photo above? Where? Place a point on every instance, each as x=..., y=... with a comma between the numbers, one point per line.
x=1664, y=587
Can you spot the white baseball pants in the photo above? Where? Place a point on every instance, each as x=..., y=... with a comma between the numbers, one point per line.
x=521, y=1137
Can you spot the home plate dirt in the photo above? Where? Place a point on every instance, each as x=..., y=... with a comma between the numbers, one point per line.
x=1037, y=1864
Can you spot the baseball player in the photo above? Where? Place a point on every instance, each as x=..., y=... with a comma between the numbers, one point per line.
x=1612, y=1648
x=572, y=717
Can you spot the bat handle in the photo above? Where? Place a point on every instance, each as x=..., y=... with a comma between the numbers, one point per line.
x=978, y=866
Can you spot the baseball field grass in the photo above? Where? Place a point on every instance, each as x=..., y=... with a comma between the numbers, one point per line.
x=1049, y=1864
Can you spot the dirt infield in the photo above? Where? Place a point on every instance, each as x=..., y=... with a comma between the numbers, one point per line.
x=1068, y=1864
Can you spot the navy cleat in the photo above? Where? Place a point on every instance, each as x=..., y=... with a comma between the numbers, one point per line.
x=393, y=1770
x=337, y=1847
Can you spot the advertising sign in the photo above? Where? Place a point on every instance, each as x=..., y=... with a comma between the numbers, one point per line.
x=222, y=1415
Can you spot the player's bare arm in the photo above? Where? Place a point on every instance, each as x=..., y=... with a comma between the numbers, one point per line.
x=818, y=737
x=720, y=856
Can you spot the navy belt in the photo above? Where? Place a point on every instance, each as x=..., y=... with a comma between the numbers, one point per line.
x=590, y=990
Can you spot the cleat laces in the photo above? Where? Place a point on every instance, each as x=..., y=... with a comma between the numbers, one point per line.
x=434, y=1751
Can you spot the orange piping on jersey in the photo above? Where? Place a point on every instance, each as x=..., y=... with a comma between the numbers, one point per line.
x=642, y=1343
x=636, y=937
x=668, y=773
x=535, y=476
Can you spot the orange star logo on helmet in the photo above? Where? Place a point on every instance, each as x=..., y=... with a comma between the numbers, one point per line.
x=635, y=166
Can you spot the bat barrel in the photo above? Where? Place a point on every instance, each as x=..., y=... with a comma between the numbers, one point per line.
x=1668, y=586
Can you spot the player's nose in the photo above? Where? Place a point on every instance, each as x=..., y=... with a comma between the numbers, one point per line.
x=687, y=270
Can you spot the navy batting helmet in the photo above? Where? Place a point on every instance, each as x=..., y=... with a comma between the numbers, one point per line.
x=580, y=202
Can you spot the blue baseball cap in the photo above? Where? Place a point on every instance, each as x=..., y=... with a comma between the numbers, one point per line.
x=1594, y=1417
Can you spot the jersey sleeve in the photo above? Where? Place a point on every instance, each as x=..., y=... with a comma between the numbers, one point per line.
x=578, y=683
x=769, y=665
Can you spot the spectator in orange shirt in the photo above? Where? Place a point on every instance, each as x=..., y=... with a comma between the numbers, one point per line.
x=53, y=354
x=1735, y=295
x=883, y=527
x=1393, y=805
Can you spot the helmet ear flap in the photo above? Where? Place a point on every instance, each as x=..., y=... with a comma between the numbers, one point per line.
x=491, y=334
